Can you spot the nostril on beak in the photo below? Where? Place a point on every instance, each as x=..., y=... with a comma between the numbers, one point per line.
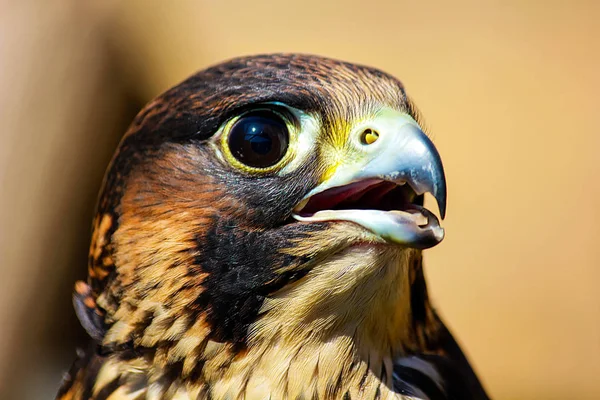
x=369, y=136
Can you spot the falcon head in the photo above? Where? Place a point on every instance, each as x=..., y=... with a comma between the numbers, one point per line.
x=269, y=202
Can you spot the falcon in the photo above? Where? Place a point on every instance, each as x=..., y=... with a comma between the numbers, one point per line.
x=259, y=235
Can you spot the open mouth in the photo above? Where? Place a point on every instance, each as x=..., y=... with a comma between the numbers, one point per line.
x=392, y=210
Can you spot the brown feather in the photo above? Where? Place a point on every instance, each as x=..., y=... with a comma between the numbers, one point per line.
x=206, y=288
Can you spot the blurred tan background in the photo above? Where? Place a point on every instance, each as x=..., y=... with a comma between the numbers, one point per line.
x=510, y=91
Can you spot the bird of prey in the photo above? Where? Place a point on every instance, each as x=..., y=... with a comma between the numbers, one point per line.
x=259, y=235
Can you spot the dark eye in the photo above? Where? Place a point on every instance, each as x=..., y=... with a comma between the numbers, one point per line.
x=259, y=139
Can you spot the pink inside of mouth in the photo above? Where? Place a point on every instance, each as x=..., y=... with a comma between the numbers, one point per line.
x=370, y=194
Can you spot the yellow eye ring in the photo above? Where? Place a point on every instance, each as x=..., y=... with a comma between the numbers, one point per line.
x=259, y=141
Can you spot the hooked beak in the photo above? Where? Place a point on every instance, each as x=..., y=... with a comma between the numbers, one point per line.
x=380, y=188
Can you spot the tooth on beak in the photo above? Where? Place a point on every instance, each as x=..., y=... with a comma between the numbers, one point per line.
x=402, y=154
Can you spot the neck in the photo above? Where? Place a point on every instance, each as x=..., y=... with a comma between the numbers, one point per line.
x=335, y=331
x=362, y=293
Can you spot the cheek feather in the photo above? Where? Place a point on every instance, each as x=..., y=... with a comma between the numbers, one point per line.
x=156, y=250
x=186, y=251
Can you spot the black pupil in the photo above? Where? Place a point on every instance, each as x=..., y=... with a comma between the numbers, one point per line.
x=259, y=139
